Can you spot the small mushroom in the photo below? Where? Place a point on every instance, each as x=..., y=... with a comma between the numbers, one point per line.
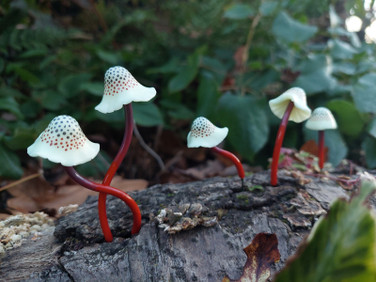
x=120, y=90
x=64, y=142
x=205, y=134
x=320, y=120
x=290, y=105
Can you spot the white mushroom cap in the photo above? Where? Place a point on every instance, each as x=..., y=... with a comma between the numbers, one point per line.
x=121, y=88
x=321, y=119
x=300, y=111
x=205, y=134
x=64, y=142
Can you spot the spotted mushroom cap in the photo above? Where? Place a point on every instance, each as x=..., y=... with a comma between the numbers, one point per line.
x=121, y=88
x=64, y=142
x=205, y=134
x=321, y=119
x=300, y=111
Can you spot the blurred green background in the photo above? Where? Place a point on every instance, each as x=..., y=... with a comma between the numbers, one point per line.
x=220, y=59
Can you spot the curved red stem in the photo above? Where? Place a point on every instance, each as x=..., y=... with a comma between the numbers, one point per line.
x=278, y=144
x=233, y=158
x=128, y=131
x=321, y=149
x=112, y=191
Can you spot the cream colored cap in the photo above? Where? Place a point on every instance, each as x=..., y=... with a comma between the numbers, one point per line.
x=64, y=142
x=121, y=88
x=300, y=111
x=321, y=119
x=205, y=134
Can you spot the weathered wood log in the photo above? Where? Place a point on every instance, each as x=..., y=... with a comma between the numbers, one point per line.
x=75, y=249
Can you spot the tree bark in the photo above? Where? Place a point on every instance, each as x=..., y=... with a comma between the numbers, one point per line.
x=75, y=249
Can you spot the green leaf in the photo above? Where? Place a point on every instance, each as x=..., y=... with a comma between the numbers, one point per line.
x=21, y=138
x=50, y=99
x=98, y=165
x=315, y=75
x=247, y=122
x=290, y=30
x=176, y=110
x=147, y=114
x=185, y=74
x=337, y=149
x=94, y=88
x=372, y=128
x=110, y=57
x=10, y=104
x=369, y=148
x=239, y=12
x=349, y=120
x=341, y=50
x=341, y=246
x=70, y=85
x=268, y=7
x=10, y=164
x=207, y=95
x=364, y=93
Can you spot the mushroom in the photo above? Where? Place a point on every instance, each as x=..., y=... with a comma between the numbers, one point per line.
x=320, y=120
x=290, y=105
x=120, y=90
x=64, y=142
x=205, y=134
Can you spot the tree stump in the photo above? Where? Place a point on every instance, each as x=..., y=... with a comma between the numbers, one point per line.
x=219, y=219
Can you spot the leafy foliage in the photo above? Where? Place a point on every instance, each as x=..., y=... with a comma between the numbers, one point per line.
x=221, y=59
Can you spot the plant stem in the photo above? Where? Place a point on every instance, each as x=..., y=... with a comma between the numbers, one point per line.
x=112, y=170
x=109, y=190
x=278, y=144
x=234, y=159
x=321, y=149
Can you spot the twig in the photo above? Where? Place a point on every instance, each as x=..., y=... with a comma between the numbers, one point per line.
x=22, y=180
x=147, y=148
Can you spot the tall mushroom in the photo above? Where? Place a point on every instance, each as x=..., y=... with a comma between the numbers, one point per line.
x=205, y=134
x=64, y=142
x=120, y=90
x=321, y=119
x=290, y=105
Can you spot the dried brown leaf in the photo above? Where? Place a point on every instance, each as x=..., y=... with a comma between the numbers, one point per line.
x=262, y=253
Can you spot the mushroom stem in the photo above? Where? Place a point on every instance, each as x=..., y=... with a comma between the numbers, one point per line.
x=321, y=149
x=278, y=144
x=128, y=131
x=109, y=190
x=234, y=159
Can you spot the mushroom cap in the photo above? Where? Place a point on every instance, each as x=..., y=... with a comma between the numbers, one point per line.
x=321, y=119
x=205, y=134
x=121, y=88
x=64, y=142
x=300, y=111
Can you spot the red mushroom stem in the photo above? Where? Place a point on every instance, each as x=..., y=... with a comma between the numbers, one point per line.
x=234, y=159
x=321, y=149
x=128, y=131
x=278, y=144
x=109, y=190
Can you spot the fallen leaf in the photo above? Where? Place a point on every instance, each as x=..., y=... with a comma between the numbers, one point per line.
x=262, y=253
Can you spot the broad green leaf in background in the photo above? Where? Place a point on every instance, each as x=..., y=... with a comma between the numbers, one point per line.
x=94, y=88
x=369, y=148
x=10, y=164
x=176, y=110
x=341, y=246
x=10, y=104
x=51, y=100
x=348, y=118
x=112, y=58
x=185, y=74
x=337, y=149
x=372, y=128
x=207, y=95
x=238, y=12
x=364, y=93
x=268, y=7
x=147, y=114
x=70, y=85
x=247, y=122
x=341, y=50
x=291, y=30
x=22, y=138
x=315, y=75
